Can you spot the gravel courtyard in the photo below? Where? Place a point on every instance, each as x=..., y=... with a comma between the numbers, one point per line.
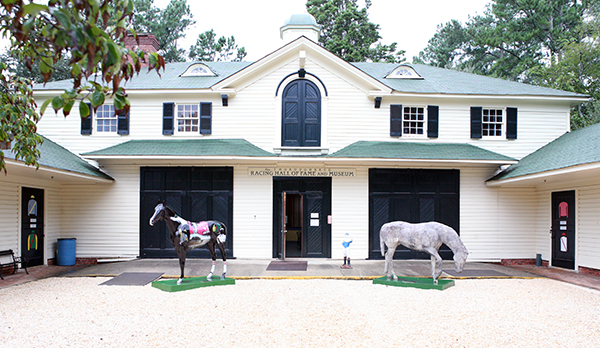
x=78, y=312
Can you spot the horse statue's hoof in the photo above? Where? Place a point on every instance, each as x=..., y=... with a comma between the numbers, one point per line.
x=179, y=281
x=222, y=277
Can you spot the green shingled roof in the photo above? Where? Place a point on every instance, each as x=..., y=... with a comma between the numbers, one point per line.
x=574, y=148
x=445, y=81
x=431, y=151
x=169, y=78
x=55, y=156
x=434, y=80
x=183, y=147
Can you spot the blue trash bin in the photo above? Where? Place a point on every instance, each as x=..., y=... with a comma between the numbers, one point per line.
x=65, y=251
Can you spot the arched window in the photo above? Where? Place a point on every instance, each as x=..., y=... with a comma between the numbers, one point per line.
x=301, y=114
x=198, y=69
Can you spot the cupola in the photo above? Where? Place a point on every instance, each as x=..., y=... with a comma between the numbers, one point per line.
x=300, y=25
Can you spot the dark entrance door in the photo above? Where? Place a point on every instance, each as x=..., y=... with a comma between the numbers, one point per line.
x=412, y=195
x=32, y=225
x=563, y=229
x=195, y=193
x=307, y=205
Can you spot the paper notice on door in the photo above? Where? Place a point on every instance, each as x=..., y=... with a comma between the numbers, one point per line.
x=314, y=222
x=314, y=215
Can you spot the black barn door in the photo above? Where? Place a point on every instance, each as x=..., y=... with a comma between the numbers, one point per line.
x=412, y=195
x=195, y=193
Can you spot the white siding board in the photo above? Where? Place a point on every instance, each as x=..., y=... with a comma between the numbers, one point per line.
x=252, y=215
x=588, y=226
x=104, y=217
x=350, y=213
x=9, y=216
x=496, y=223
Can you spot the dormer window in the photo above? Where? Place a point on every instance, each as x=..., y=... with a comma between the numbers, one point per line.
x=404, y=72
x=198, y=69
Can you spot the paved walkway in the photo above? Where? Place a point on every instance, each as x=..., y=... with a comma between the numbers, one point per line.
x=316, y=268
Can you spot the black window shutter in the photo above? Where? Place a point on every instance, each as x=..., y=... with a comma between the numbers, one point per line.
x=205, y=118
x=168, y=112
x=86, y=122
x=123, y=123
x=432, y=120
x=476, y=113
x=511, y=123
x=396, y=120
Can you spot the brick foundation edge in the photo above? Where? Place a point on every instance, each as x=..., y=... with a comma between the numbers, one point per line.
x=521, y=262
x=589, y=271
x=78, y=261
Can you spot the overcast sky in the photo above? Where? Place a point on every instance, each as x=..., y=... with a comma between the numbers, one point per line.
x=255, y=23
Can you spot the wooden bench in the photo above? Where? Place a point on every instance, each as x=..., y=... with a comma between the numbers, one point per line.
x=13, y=261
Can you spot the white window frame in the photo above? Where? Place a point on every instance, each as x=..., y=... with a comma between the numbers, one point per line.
x=187, y=119
x=105, y=121
x=490, y=123
x=410, y=121
x=198, y=69
x=404, y=72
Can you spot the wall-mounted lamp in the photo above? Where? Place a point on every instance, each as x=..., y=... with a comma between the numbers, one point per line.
x=301, y=73
x=225, y=99
x=377, y=102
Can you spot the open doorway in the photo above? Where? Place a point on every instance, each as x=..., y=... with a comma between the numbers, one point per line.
x=300, y=224
x=293, y=236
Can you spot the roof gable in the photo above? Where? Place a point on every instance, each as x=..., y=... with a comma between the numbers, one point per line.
x=302, y=49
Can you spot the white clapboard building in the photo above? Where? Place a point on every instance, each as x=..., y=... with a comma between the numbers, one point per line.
x=305, y=142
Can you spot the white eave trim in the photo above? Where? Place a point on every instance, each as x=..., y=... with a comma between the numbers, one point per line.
x=490, y=96
x=545, y=175
x=307, y=159
x=51, y=170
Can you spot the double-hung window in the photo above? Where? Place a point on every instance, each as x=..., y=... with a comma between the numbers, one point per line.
x=493, y=123
x=188, y=118
x=106, y=120
x=413, y=120
x=418, y=121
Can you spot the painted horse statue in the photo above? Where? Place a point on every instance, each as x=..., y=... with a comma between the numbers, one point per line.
x=186, y=235
x=427, y=237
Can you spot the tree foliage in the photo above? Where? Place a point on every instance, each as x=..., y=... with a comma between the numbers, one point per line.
x=544, y=42
x=90, y=35
x=168, y=25
x=210, y=49
x=347, y=32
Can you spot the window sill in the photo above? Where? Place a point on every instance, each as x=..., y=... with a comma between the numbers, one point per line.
x=300, y=151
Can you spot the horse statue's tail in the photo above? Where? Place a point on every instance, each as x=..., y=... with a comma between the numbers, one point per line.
x=381, y=244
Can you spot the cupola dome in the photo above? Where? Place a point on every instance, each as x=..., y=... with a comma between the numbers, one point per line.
x=300, y=25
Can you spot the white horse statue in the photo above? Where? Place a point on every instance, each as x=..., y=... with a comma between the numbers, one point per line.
x=427, y=237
